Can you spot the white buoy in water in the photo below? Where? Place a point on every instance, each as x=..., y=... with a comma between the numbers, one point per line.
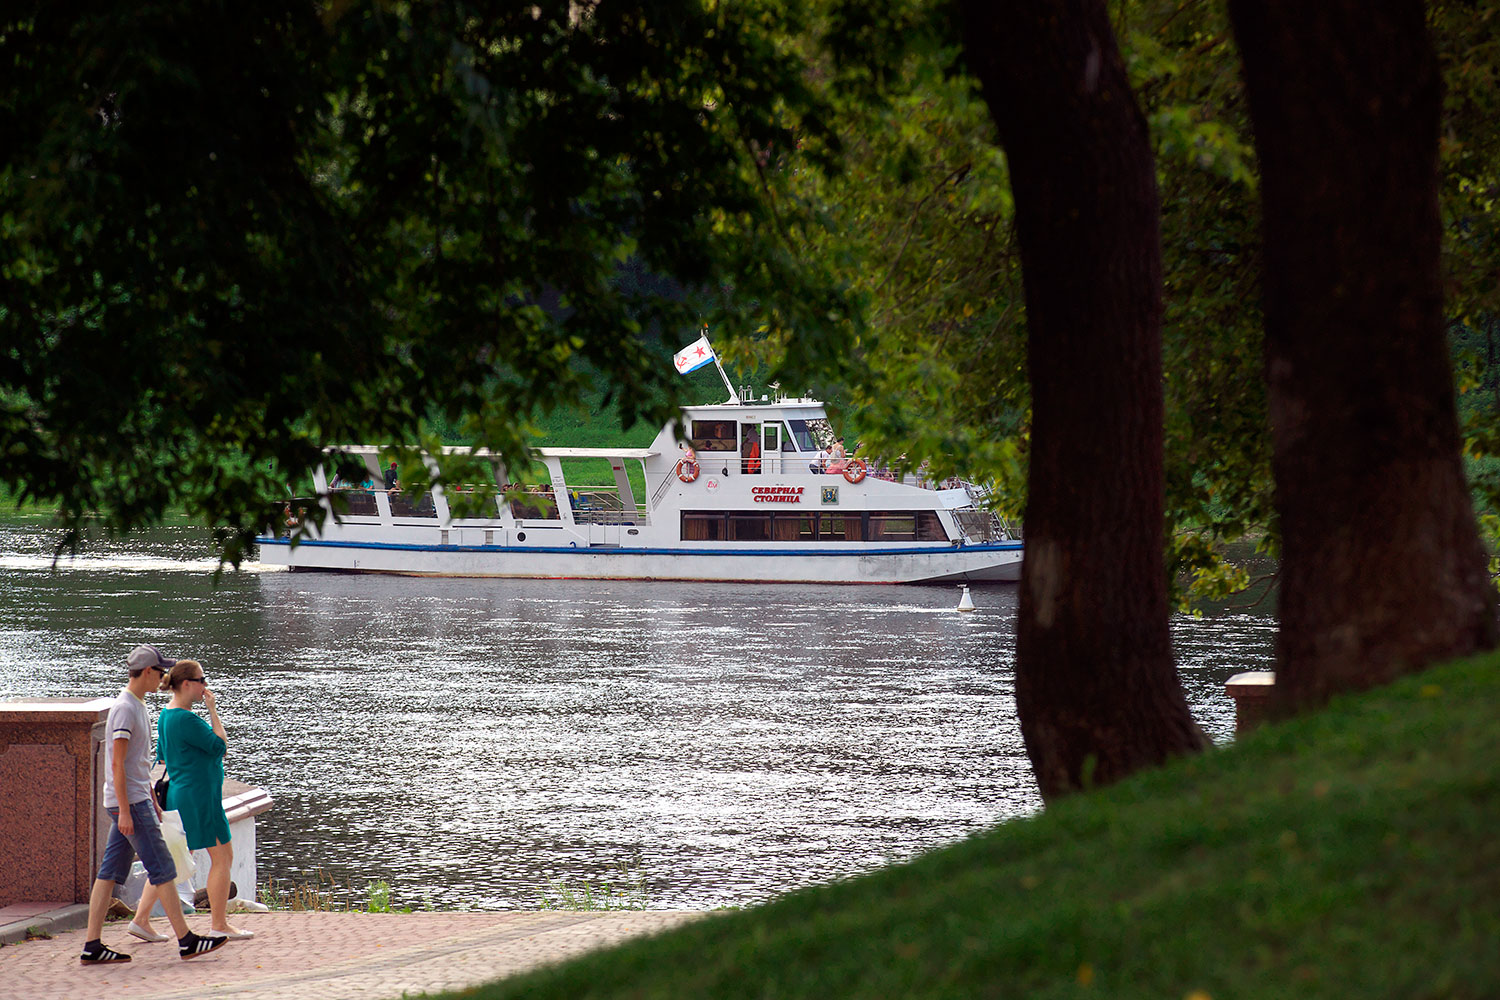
x=965, y=603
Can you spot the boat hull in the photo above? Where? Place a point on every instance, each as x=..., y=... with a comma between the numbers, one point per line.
x=996, y=562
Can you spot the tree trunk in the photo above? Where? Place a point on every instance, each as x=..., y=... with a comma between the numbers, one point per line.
x=1382, y=571
x=1096, y=689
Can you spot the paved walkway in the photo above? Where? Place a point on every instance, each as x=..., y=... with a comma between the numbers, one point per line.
x=325, y=956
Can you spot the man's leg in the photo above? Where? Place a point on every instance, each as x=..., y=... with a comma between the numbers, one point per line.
x=99, y=897
x=114, y=867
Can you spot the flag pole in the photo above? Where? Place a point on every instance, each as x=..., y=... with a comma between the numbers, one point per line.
x=734, y=397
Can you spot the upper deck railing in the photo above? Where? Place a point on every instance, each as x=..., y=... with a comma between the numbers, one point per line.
x=602, y=505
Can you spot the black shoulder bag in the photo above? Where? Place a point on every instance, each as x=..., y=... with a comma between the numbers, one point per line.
x=161, y=786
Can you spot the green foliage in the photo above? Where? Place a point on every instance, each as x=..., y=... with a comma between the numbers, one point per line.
x=378, y=898
x=1348, y=853
x=920, y=230
x=320, y=892
x=626, y=892
x=231, y=234
x=923, y=232
x=1185, y=71
x=1467, y=37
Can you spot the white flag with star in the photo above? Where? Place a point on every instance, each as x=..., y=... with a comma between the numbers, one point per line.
x=693, y=356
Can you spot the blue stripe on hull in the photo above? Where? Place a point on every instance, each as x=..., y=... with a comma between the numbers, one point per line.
x=615, y=550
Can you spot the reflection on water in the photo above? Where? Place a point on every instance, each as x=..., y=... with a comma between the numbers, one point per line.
x=471, y=740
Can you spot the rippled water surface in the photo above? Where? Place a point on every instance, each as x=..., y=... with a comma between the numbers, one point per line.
x=473, y=741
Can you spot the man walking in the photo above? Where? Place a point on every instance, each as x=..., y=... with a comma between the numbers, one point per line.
x=130, y=803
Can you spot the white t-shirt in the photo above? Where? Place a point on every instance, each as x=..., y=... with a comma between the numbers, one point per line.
x=128, y=720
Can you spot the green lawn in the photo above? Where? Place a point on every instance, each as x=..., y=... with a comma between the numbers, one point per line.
x=1353, y=853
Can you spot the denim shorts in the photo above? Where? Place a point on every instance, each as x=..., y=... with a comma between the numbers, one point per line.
x=146, y=841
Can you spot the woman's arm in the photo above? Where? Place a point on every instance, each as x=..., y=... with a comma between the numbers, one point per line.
x=213, y=715
x=194, y=732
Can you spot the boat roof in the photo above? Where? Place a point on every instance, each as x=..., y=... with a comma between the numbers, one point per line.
x=748, y=408
x=637, y=453
x=640, y=453
x=778, y=407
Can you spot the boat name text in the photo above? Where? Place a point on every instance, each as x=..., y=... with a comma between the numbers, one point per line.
x=776, y=494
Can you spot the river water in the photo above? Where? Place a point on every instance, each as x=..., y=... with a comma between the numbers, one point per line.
x=474, y=742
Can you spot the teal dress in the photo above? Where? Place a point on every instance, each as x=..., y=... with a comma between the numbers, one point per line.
x=195, y=762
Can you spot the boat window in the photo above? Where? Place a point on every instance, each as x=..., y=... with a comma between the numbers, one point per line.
x=532, y=502
x=405, y=506
x=810, y=435
x=749, y=527
x=789, y=443
x=360, y=503
x=810, y=526
x=840, y=528
x=794, y=527
x=903, y=526
x=715, y=435
x=702, y=527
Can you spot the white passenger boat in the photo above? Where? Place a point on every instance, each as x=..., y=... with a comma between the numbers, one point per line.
x=743, y=499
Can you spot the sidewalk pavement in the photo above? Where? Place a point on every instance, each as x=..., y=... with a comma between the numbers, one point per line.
x=326, y=956
x=19, y=920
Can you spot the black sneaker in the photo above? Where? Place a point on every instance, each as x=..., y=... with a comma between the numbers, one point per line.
x=94, y=953
x=194, y=945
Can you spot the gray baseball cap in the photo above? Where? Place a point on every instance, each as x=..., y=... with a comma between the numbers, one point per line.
x=146, y=657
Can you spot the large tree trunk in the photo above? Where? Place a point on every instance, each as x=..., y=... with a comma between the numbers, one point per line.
x=1096, y=689
x=1382, y=570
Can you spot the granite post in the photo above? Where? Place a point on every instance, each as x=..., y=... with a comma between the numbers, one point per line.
x=1251, y=692
x=52, y=820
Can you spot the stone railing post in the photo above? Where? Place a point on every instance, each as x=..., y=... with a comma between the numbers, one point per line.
x=52, y=821
x=1251, y=692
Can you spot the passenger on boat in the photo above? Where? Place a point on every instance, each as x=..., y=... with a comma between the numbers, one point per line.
x=836, y=459
x=392, y=478
x=751, y=452
x=687, y=465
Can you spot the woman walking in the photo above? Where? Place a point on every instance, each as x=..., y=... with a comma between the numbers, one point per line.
x=194, y=752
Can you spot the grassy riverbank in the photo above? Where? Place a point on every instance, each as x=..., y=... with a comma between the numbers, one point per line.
x=1354, y=853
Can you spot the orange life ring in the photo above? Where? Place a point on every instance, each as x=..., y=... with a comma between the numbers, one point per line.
x=855, y=470
x=687, y=471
